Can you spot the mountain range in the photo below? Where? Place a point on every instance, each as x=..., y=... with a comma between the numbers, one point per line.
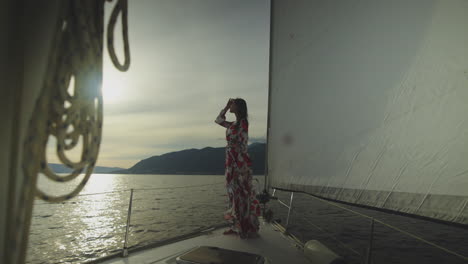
x=206, y=161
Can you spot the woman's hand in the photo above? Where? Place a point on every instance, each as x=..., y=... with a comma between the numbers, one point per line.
x=229, y=103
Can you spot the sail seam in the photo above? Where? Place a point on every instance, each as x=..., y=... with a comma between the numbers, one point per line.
x=371, y=173
x=348, y=172
x=402, y=170
x=462, y=209
x=430, y=187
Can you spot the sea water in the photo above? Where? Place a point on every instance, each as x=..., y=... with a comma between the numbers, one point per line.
x=93, y=224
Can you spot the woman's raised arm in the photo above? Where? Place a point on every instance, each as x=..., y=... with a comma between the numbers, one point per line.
x=221, y=119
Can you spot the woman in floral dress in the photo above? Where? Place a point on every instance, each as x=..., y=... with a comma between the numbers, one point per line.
x=243, y=208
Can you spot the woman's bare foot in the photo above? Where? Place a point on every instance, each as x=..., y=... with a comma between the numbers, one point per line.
x=230, y=232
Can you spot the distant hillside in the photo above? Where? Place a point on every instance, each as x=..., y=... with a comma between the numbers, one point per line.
x=59, y=168
x=206, y=161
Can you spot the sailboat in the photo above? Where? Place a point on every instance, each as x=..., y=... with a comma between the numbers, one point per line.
x=367, y=103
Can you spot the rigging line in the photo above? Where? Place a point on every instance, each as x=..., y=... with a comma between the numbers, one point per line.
x=80, y=233
x=397, y=229
x=85, y=194
x=143, y=222
x=154, y=216
x=192, y=197
x=178, y=187
x=329, y=234
x=142, y=189
x=186, y=206
x=88, y=194
x=82, y=202
x=110, y=213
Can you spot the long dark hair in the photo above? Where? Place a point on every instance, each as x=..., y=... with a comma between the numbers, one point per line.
x=241, y=109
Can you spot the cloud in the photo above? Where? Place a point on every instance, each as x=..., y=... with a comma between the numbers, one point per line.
x=188, y=58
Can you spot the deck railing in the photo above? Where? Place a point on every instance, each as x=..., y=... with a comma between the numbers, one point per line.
x=368, y=256
x=126, y=248
x=289, y=205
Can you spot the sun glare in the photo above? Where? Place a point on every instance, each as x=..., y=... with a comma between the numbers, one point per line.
x=114, y=87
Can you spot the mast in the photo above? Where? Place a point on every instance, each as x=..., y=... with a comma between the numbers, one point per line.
x=270, y=58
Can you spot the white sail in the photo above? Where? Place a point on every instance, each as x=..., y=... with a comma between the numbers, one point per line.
x=369, y=103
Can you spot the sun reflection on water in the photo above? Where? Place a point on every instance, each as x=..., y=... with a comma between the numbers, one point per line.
x=101, y=183
x=92, y=225
x=100, y=216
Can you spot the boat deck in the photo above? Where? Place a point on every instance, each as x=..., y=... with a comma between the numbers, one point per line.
x=271, y=244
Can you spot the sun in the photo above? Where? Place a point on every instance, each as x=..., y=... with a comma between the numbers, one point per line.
x=114, y=86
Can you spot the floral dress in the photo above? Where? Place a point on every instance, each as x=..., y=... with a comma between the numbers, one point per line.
x=243, y=208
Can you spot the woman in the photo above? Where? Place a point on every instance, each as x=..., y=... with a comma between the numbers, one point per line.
x=243, y=208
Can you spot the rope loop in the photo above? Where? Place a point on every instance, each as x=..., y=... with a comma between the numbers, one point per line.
x=120, y=7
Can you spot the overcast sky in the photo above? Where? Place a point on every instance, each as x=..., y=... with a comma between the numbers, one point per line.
x=188, y=58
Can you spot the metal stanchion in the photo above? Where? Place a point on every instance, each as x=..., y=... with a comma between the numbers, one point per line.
x=125, y=249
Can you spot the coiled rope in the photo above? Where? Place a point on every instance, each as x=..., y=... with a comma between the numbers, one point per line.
x=75, y=59
x=78, y=34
